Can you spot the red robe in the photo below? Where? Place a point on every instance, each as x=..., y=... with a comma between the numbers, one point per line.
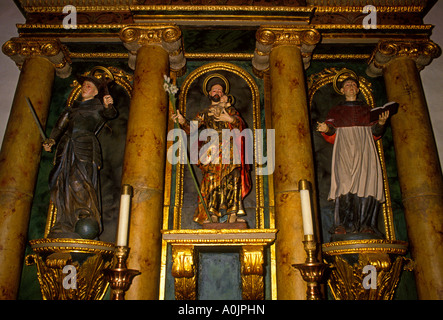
x=349, y=114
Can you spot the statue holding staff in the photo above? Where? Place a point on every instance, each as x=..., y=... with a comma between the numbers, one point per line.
x=224, y=185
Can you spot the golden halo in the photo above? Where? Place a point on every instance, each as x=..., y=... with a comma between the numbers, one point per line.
x=341, y=75
x=215, y=75
x=101, y=72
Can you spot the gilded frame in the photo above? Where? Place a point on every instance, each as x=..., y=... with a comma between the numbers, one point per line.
x=259, y=183
x=327, y=76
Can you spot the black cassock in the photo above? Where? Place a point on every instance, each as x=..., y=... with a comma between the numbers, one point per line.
x=74, y=180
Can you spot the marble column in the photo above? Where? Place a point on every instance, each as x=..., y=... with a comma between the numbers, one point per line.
x=289, y=51
x=145, y=153
x=20, y=153
x=418, y=165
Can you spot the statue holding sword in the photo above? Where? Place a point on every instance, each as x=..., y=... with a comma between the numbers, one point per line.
x=74, y=179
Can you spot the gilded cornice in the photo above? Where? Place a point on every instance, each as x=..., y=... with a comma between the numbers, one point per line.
x=167, y=36
x=269, y=37
x=421, y=51
x=19, y=49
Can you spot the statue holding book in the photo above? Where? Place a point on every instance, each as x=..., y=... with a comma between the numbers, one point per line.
x=356, y=175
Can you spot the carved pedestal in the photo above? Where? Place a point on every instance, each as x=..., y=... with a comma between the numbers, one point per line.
x=71, y=269
x=366, y=269
x=185, y=245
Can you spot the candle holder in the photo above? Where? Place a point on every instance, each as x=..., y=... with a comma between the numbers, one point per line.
x=120, y=277
x=312, y=270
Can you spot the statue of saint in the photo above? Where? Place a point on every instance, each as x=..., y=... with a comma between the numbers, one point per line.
x=224, y=185
x=356, y=175
x=74, y=179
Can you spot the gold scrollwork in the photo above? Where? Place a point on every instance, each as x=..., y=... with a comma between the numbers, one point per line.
x=28, y=47
x=346, y=280
x=91, y=258
x=148, y=34
x=409, y=48
x=421, y=51
x=275, y=36
x=184, y=272
x=251, y=258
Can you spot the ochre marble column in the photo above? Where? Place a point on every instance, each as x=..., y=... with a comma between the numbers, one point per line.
x=418, y=165
x=157, y=48
x=144, y=166
x=293, y=150
x=19, y=161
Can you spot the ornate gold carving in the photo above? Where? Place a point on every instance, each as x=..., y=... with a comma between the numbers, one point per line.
x=184, y=272
x=148, y=34
x=269, y=37
x=167, y=36
x=421, y=51
x=184, y=257
x=52, y=255
x=30, y=47
x=346, y=280
x=251, y=259
x=412, y=49
x=19, y=49
x=276, y=35
x=365, y=246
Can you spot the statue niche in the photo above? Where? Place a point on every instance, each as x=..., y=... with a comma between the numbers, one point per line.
x=359, y=212
x=239, y=103
x=86, y=178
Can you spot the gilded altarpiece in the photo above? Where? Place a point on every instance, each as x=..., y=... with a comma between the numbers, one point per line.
x=205, y=263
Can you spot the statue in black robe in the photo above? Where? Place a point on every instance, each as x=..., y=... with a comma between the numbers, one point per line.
x=74, y=180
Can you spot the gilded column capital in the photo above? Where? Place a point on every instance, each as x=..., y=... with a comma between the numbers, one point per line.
x=19, y=49
x=421, y=51
x=269, y=37
x=169, y=37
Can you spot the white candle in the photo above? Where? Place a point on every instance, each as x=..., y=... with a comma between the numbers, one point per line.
x=123, y=220
x=308, y=228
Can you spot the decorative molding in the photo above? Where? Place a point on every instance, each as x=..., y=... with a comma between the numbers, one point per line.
x=19, y=49
x=269, y=37
x=421, y=51
x=169, y=37
x=359, y=3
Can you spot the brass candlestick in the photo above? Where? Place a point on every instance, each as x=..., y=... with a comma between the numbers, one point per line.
x=120, y=277
x=312, y=270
